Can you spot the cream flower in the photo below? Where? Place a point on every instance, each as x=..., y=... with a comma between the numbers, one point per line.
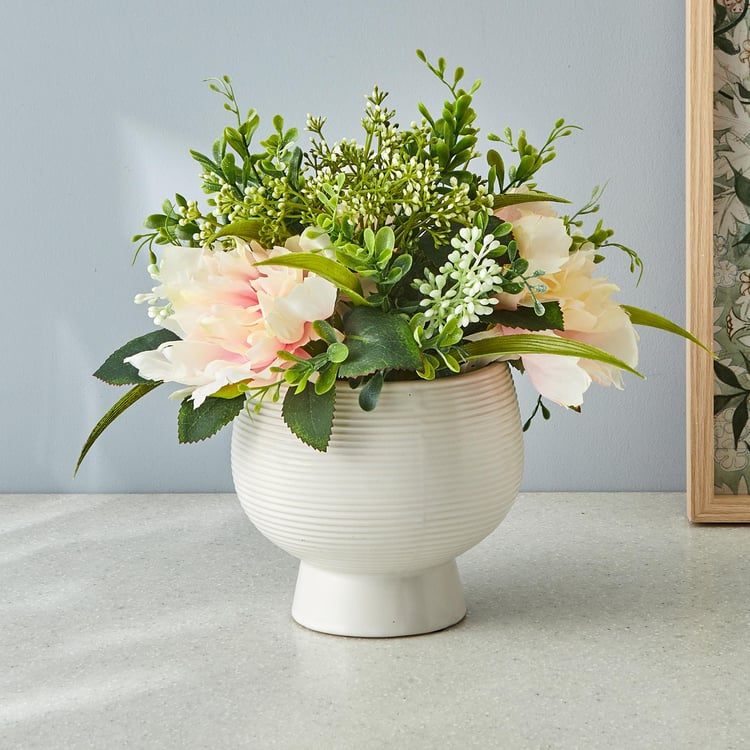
x=232, y=317
x=590, y=316
x=542, y=240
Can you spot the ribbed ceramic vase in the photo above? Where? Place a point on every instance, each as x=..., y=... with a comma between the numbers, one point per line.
x=378, y=520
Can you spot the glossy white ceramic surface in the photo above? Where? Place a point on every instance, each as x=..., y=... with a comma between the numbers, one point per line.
x=400, y=493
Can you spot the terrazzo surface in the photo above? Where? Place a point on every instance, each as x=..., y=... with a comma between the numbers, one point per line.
x=162, y=621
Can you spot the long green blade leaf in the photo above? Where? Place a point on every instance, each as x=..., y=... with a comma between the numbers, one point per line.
x=511, y=199
x=535, y=343
x=326, y=268
x=126, y=401
x=645, y=318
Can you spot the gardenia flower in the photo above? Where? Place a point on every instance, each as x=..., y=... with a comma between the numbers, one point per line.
x=232, y=316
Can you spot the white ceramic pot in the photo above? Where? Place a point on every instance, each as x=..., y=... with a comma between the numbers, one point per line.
x=379, y=519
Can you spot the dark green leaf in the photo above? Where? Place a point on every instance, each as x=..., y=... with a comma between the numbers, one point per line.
x=116, y=372
x=310, y=416
x=198, y=424
x=526, y=318
x=377, y=341
x=126, y=401
x=370, y=393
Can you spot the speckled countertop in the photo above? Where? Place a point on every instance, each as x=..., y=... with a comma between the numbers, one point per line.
x=162, y=621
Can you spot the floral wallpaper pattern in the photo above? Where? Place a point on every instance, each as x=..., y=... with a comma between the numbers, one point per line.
x=732, y=246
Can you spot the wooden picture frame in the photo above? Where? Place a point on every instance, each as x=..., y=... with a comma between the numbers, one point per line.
x=704, y=504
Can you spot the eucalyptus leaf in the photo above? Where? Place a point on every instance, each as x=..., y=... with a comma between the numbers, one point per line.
x=370, y=393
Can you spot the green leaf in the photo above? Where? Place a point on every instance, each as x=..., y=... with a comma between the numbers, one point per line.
x=526, y=318
x=370, y=393
x=198, y=424
x=536, y=343
x=125, y=402
x=511, y=199
x=117, y=372
x=205, y=162
x=328, y=269
x=325, y=330
x=310, y=416
x=156, y=221
x=326, y=379
x=246, y=229
x=645, y=318
x=378, y=340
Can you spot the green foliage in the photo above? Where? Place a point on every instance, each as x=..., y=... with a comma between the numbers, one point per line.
x=378, y=341
x=196, y=424
x=402, y=224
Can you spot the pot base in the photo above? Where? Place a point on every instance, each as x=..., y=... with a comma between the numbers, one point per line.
x=378, y=606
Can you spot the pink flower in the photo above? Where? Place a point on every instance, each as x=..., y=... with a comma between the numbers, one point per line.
x=232, y=317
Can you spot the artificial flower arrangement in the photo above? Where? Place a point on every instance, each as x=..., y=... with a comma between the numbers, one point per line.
x=364, y=262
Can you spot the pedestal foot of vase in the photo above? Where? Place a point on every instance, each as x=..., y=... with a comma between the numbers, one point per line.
x=378, y=605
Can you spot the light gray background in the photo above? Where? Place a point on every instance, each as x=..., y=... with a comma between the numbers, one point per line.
x=101, y=102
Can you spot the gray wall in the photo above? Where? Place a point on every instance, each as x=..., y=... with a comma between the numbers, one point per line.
x=101, y=101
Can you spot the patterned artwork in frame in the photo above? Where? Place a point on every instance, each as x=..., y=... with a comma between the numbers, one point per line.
x=731, y=247
x=718, y=259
